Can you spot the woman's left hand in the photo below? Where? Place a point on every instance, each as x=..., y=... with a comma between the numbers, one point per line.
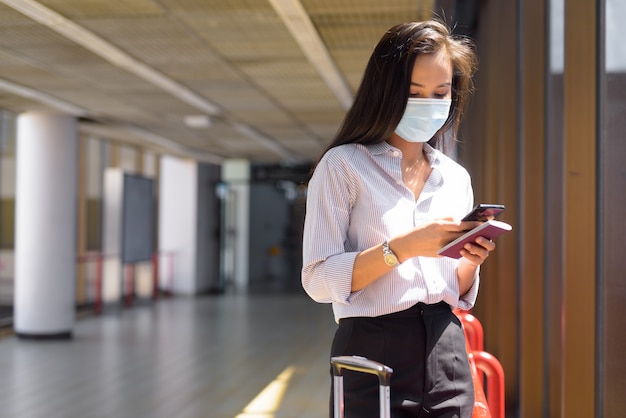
x=476, y=253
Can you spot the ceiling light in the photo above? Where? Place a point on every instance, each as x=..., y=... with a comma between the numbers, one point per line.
x=197, y=121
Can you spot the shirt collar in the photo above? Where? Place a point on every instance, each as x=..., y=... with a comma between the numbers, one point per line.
x=380, y=148
x=432, y=154
x=384, y=147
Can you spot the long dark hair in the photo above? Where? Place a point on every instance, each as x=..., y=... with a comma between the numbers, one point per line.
x=383, y=94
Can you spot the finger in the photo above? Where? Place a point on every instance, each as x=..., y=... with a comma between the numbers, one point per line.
x=477, y=250
x=471, y=258
x=485, y=243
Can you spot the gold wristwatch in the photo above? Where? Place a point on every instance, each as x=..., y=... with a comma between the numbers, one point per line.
x=389, y=256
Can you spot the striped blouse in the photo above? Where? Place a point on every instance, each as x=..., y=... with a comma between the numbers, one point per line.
x=356, y=200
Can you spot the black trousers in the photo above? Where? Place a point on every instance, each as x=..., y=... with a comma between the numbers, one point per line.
x=425, y=347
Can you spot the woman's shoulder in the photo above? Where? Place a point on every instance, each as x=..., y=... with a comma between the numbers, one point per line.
x=347, y=160
x=343, y=155
x=343, y=150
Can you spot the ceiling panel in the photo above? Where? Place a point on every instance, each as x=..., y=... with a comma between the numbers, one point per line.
x=236, y=54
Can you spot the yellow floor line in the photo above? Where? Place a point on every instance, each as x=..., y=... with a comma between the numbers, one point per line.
x=267, y=402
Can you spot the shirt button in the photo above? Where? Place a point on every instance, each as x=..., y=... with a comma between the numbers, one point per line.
x=396, y=153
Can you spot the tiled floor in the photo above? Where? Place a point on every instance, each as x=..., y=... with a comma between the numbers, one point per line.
x=178, y=358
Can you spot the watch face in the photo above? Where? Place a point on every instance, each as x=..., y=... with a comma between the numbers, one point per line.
x=391, y=259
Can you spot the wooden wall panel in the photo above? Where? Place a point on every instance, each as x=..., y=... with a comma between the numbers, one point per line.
x=508, y=159
x=612, y=229
x=533, y=209
x=579, y=326
x=490, y=151
x=531, y=141
x=554, y=245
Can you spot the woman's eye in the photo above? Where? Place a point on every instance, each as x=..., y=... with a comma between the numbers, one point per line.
x=440, y=95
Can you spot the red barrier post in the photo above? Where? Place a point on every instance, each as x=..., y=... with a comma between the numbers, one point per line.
x=485, y=365
x=481, y=408
x=492, y=368
x=473, y=329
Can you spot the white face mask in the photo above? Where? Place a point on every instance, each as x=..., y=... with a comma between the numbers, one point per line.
x=423, y=118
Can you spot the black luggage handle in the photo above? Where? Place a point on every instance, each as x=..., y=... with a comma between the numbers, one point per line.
x=363, y=365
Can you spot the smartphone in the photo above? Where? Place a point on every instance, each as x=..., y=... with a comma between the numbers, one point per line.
x=483, y=211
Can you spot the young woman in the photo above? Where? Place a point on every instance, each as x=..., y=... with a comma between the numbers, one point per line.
x=381, y=201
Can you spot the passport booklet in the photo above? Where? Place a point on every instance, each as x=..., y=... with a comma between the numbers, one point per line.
x=488, y=229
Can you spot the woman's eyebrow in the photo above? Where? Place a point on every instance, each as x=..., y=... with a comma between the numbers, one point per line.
x=420, y=85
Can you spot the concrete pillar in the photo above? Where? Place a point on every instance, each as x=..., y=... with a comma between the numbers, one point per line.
x=45, y=225
x=188, y=219
x=178, y=224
